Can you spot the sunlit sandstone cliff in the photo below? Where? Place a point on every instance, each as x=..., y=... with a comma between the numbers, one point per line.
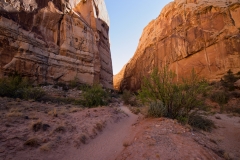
x=199, y=34
x=56, y=40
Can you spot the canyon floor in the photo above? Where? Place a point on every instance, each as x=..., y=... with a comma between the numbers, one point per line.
x=38, y=131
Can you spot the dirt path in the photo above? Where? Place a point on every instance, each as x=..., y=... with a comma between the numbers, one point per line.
x=125, y=137
x=227, y=135
x=109, y=144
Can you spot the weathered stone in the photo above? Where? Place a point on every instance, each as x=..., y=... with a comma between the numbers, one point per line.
x=56, y=40
x=199, y=34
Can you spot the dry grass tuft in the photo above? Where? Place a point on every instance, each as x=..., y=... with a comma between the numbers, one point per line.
x=60, y=129
x=83, y=138
x=53, y=112
x=46, y=147
x=99, y=126
x=32, y=142
x=36, y=126
x=14, y=112
x=135, y=110
x=226, y=156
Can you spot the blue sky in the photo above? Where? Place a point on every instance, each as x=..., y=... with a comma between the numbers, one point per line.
x=127, y=21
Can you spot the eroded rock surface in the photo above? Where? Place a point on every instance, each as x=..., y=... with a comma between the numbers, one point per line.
x=56, y=40
x=199, y=34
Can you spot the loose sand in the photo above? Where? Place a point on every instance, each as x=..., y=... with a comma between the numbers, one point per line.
x=40, y=131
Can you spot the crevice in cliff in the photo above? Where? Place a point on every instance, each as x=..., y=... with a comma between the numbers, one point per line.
x=185, y=30
x=96, y=8
x=59, y=31
x=230, y=15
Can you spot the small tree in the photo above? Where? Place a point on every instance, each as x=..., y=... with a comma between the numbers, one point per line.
x=179, y=99
x=228, y=80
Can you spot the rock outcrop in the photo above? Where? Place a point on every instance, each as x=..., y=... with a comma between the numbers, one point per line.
x=199, y=34
x=56, y=40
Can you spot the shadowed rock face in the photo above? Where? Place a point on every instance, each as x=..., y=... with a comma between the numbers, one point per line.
x=56, y=40
x=199, y=34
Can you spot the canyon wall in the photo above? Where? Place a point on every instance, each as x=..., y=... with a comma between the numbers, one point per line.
x=53, y=41
x=199, y=34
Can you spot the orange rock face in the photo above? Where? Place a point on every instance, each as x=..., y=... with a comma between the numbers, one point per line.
x=56, y=40
x=199, y=34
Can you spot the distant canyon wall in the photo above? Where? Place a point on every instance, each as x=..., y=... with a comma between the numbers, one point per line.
x=199, y=34
x=56, y=40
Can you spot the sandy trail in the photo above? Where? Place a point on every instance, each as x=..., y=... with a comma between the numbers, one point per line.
x=227, y=135
x=109, y=144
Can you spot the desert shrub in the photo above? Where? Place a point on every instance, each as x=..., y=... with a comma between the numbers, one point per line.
x=16, y=86
x=135, y=110
x=13, y=86
x=99, y=126
x=126, y=96
x=95, y=96
x=229, y=77
x=35, y=93
x=179, y=99
x=221, y=97
x=83, y=87
x=157, y=109
x=32, y=142
x=60, y=129
x=200, y=122
x=228, y=80
x=83, y=138
x=129, y=98
x=37, y=126
x=235, y=94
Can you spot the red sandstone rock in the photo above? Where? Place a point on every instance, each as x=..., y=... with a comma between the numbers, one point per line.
x=199, y=34
x=56, y=40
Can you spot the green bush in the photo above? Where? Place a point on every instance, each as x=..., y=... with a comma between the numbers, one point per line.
x=179, y=99
x=95, y=96
x=229, y=77
x=228, y=80
x=126, y=96
x=83, y=87
x=235, y=94
x=221, y=97
x=157, y=109
x=13, y=86
x=129, y=98
x=35, y=93
x=18, y=87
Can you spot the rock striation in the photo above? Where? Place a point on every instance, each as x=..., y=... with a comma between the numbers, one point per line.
x=199, y=34
x=56, y=40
